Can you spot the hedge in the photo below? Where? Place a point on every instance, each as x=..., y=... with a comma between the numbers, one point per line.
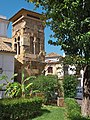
x=19, y=109
x=69, y=84
x=73, y=109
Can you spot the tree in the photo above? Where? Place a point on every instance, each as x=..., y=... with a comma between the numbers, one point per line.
x=70, y=22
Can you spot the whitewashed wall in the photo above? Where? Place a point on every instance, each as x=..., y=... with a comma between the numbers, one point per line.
x=3, y=29
x=53, y=59
x=7, y=65
x=57, y=70
x=57, y=67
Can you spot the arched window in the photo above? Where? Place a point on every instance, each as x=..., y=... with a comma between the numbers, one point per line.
x=19, y=45
x=15, y=40
x=19, y=38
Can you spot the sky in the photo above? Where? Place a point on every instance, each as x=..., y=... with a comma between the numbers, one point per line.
x=9, y=7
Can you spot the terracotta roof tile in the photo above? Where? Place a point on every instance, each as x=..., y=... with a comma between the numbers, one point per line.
x=5, y=39
x=53, y=55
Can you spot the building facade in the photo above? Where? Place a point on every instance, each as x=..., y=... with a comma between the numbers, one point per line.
x=6, y=53
x=54, y=65
x=28, y=42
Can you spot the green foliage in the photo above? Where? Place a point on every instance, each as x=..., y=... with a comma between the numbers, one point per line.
x=6, y=80
x=13, y=89
x=77, y=60
x=70, y=22
x=10, y=87
x=19, y=109
x=73, y=109
x=70, y=83
x=46, y=85
x=16, y=89
x=25, y=84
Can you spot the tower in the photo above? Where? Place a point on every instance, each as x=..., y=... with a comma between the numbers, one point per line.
x=28, y=42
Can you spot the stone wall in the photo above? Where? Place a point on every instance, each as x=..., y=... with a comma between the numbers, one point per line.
x=28, y=41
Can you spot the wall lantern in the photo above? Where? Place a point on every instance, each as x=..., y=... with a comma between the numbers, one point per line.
x=1, y=70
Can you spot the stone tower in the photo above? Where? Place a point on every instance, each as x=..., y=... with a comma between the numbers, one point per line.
x=28, y=42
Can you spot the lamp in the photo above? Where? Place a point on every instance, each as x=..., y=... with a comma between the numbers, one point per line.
x=1, y=70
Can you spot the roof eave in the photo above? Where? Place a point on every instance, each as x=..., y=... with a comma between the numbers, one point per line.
x=20, y=12
x=3, y=51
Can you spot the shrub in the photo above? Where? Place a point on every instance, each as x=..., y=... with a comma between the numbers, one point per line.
x=46, y=85
x=19, y=109
x=70, y=83
x=73, y=109
x=16, y=89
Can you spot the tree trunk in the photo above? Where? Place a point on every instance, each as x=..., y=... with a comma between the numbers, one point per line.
x=86, y=92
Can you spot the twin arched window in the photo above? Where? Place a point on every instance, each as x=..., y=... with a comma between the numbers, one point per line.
x=17, y=45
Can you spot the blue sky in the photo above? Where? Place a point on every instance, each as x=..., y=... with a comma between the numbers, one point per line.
x=9, y=7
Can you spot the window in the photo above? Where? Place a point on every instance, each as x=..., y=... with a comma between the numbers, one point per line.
x=15, y=39
x=18, y=48
x=50, y=69
x=17, y=45
x=18, y=38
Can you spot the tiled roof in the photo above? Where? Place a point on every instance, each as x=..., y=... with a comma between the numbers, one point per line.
x=20, y=12
x=5, y=39
x=53, y=55
x=5, y=48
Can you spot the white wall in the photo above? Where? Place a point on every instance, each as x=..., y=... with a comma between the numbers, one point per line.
x=7, y=65
x=71, y=70
x=3, y=29
x=3, y=26
x=57, y=67
x=60, y=71
x=53, y=59
x=57, y=70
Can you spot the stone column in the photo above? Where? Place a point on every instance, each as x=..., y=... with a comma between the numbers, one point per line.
x=34, y=45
